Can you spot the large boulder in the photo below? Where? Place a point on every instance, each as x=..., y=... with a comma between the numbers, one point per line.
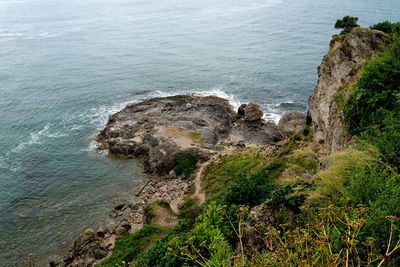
x=291, y=122
x=340, y=69
x=252, y=112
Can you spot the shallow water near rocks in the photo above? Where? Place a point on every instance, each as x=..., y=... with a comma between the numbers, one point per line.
x=67, y=65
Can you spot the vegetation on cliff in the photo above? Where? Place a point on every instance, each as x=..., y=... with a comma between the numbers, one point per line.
x=294, y=203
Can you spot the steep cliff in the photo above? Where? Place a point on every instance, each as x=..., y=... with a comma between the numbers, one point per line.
x=339, y=70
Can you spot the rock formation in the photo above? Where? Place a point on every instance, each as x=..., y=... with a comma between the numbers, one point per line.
x=339, y=70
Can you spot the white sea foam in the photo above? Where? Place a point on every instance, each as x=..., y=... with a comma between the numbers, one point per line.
x=35, y=139
x=98, y=117
x=6, y=34
x=38, y=138
x=213, y=91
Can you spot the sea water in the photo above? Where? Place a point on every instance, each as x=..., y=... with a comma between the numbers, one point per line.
x=66, y=65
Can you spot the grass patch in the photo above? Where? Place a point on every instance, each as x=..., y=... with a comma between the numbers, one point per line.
x=128, y=247
x=218, y=175
x=195, y=136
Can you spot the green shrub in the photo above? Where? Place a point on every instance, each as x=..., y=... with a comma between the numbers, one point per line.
x=217, y=176
x=373, y=108
x=387, y=27
x=207, y=242
x=250, y=191
x=346, y=23
x=185, y=163
x=158, y=255
x=128, y=247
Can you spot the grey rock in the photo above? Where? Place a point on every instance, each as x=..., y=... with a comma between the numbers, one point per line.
x=113, y=214
x=256, y=133
x=158, y=129
x=291, y=122
x=337, y=72
x=252, y=112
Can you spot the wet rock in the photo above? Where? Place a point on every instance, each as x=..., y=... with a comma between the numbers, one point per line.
x=113, y=214
x=252, y=112
x=120, y=206
x=101, y=231
x=241, y=112
x=291, y=122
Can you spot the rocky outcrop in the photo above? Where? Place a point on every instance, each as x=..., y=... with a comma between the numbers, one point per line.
x=339, y=70
x=159, y=129
x=291, y=122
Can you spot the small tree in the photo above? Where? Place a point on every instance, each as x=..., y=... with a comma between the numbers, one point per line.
x=346, y=23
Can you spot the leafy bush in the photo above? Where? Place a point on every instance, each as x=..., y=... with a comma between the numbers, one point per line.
x=346, y=23
x=207, y=242
x=387, y=27
x=158, y=255
x=185, y=163
x=373, y=108
x=249, y=191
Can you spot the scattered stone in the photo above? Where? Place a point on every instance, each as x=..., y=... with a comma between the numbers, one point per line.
x=113, y=214
x=172, y=174
x=252, y=112
x=120, y=206
x=120, y=230
x=241, y=144
x=101, y=231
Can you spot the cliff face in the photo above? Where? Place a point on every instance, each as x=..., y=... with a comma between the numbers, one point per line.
x=339, y=70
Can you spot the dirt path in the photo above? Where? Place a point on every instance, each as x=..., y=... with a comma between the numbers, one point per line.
x=199, y=194
x=163, y=217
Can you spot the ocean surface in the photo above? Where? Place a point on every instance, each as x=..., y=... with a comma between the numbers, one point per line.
x=65, y=66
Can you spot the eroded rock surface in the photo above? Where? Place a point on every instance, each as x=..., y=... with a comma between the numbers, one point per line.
x=159, y=129
x=339, y=70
